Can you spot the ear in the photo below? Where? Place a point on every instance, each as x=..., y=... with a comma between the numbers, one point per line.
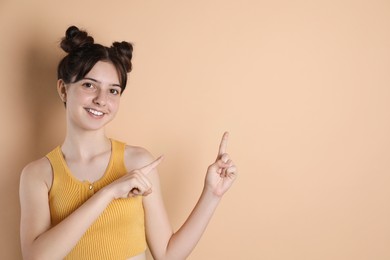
x=61, y=89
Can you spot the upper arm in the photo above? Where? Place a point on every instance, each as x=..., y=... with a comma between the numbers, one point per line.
x=157, y=225
x=35, y=182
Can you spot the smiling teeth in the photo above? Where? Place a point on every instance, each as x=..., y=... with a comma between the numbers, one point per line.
x=96, y=113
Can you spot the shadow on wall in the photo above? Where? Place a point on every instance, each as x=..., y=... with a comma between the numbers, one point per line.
x=47, y=126
x=39, y=112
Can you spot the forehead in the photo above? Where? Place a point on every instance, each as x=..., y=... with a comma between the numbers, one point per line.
x=104, y=72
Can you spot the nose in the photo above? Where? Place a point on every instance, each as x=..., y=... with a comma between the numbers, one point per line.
x=100, y=98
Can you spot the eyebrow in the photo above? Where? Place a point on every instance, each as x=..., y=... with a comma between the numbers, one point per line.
x=97, y=81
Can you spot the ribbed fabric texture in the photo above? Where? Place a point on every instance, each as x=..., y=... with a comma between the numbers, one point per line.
x=119, y=232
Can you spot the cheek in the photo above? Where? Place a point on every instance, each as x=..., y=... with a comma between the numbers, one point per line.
x=114, y=104
x=80, y=96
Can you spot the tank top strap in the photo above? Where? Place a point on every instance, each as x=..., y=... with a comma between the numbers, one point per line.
x=118, y=156
x=55, y=158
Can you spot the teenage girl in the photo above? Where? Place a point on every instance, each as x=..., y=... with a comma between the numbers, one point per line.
x=94, y=197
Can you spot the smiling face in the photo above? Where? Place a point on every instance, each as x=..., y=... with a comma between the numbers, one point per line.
x=93, y=101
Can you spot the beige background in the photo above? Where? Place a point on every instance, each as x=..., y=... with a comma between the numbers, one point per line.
x=302, y=86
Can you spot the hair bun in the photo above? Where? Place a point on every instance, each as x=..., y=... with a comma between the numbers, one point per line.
x=75, y=39
x=124, y=51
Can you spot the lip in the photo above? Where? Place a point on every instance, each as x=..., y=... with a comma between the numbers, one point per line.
x=95, y=112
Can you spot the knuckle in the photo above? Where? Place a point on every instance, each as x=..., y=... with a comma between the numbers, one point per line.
x=137, y=171
x=225, y=156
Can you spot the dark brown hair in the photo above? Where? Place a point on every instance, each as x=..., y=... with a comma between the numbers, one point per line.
x=83, y=54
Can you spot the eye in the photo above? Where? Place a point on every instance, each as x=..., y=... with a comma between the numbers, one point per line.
x=88, y=85
x=114, y=91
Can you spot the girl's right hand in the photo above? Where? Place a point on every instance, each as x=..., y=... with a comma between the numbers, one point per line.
x=134, y=183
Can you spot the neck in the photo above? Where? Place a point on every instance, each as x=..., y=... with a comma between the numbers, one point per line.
x=85, y=144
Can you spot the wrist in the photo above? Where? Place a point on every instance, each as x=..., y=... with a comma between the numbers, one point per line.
x=106, y=194
x=209, y=194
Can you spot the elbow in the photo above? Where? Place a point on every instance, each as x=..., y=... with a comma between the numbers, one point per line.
x=171, y=252
x=170, y=256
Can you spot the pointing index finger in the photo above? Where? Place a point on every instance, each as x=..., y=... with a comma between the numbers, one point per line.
x=223, y=144
x=149, y=167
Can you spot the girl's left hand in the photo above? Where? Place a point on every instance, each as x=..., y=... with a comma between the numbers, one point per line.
x=222, y=173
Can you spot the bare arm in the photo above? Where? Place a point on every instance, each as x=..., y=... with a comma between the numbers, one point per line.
x=163, y=242
x=39, y=239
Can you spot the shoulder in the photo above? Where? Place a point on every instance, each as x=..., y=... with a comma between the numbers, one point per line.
x=137, y=157
x=38, y=171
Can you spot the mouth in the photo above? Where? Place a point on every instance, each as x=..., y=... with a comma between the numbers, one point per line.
x=94, y=112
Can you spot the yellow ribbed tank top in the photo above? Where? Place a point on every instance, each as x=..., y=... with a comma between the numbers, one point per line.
x=119, y=232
